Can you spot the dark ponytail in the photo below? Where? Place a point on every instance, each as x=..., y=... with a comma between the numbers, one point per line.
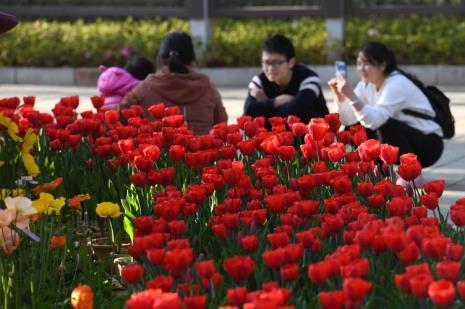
x=377, y=53
x=177, y=52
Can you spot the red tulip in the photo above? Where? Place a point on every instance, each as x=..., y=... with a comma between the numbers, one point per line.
x=435, y=247
x=333, y=121
x=319, y=272
x=195, y=301
x=332, y=299
x=173, y=121
x=410, y=167
x=429, y=200
x=448, y=270
x=298, y=129
x=355, y=288
x=461, y=289
x=308, y=151
x=157, y=110
x=358, y=268
x=249, y=243
x=457, y=214
x=359, y=134
x=336, y=152
x=317, y=128
x=139, y=179
x=247, y=147
x=285, y=153
x=274, y=258
x=97, y=101
x=237, y=296
x=143, y=163
x=419, y=284
x=409, y=254
x=369, y=150
x=165, y=283
x=441, y=292
x=454, y=251
x=278, y=239
x=290, y=272
x=177, y=260
x=436, y=186
x=132, y=273
x=389, y=154
x=155, y=256
x=206, y=269
x=250, y=128
x=239, y=267
x=376, y=201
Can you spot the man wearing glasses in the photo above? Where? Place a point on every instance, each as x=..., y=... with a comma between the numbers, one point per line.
x=284, y=87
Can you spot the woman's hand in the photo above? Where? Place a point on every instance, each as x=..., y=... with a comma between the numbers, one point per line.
x=345, y=88
x=332, y=83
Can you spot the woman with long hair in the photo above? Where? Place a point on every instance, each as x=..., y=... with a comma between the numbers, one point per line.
x=179, y=84
x=379, y=101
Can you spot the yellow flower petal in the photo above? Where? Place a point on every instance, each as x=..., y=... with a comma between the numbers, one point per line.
x=43, y=203
x=12, y=127
x=28, y=142
x=30, y=165
x=108, y=209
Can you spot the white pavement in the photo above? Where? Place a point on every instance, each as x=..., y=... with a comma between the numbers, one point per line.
x=451, y=166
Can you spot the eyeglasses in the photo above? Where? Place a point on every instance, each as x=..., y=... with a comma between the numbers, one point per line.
x=273, y=63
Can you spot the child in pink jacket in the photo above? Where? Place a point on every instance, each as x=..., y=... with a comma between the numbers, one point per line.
x=115, y=82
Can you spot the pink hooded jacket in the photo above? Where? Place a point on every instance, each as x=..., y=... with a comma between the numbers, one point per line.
x=114, y=83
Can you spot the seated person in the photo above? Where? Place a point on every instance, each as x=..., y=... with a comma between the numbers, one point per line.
x=378, y=100
x=179, y=84
x=284, y=87
x=115, y=82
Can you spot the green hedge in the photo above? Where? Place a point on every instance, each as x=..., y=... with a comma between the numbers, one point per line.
x=415, y=39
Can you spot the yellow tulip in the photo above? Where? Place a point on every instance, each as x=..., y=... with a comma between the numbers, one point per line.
x=7, y=192
x=12, y=127
x=1, y=163
x=43, y=203
x=56, y=205
x=108, y=209
x=28, y=142
x=30, y=165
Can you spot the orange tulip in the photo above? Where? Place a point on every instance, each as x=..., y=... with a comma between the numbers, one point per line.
x=82, y=297
x=47, y=187
x=58, y=241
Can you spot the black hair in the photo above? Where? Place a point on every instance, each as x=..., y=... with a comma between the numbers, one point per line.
x=139, y=67
x=377, y=53
x=177, y=52
x=279, y=44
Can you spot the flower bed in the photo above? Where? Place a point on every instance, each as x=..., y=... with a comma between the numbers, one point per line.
x=304, y=216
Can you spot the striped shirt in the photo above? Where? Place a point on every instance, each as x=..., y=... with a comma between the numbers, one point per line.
x=305, y=86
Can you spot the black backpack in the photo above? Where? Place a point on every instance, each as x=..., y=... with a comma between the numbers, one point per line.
x=441, y=105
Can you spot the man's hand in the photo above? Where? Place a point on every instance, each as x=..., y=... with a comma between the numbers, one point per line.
x=258, y=94
x=282, y=99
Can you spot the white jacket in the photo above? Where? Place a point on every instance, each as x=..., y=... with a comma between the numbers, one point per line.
x=396, y=93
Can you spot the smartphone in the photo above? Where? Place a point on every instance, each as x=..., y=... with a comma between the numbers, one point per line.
x=341, y=69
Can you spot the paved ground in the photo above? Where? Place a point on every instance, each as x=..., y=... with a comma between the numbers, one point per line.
x=450, y=167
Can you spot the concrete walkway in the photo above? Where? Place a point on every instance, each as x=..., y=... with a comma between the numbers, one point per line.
x=451, y=166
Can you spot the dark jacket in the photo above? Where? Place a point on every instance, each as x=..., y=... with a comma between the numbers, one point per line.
x=308, y=101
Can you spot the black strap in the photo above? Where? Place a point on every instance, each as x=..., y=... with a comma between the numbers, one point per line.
x=417, y=114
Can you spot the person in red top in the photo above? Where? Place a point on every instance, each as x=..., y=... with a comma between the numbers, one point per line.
x=178, y=83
